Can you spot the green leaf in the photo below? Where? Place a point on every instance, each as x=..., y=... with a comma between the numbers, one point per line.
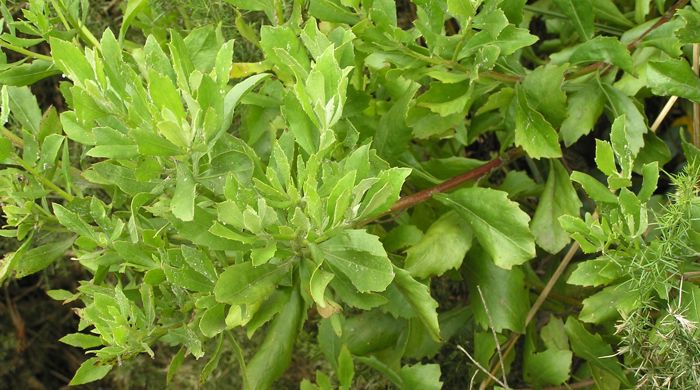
x=24, y=108
x=605, y=49
x=133, y=7
x=166, y=96
x=585, y=107
x=673, y=77
x=635, y=125
x=543, y=87
x=553, y=334
x=371, y=331
x=318, y=284
x=579, y=12
x=503, y=291
x=421, y=376
x=234, y=96
x=275, y=353
x=550, y=367
x=37, y=259
x=90, y=371
x=442, y=248
x=74, y=222
x=558, y=198
x=332, y=11
x=182, y=203
x=605, y=157
x=418, y=296
x=346, y=368
x=607, y=304
x=595, y=272
x=592, y=348
x=608, y=11
x=74, y=130
x=650, y=175
x=498, y=224
x=81, y=340
x=5, y=149
x=532, y=131
x=361, y=257
x=71, y=60
x=595, y=189
x=242, y=284
x=213, y=321
x=384, y=193
x=27, y=73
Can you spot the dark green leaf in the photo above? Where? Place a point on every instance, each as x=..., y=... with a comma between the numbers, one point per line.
x=503, y=291
x=592, y=348
x=580, y=13
x=275, y=353
x=498, y=224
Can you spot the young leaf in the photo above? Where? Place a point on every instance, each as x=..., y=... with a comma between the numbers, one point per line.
x=361, y=257
x=498, y=224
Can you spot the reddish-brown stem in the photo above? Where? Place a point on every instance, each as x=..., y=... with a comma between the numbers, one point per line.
x=422, y=196
x=662, y=20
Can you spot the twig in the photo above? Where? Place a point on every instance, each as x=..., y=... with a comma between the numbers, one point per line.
x=495, y=337
x=552, y=281
x=481, y=367
x=696, y=106
x=664, y=111
x=662, y=20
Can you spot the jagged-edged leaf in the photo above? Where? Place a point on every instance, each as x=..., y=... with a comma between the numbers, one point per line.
x=497, y=222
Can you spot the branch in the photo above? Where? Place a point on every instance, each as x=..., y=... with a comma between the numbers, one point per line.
x=422, y=196
x=662, y=20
